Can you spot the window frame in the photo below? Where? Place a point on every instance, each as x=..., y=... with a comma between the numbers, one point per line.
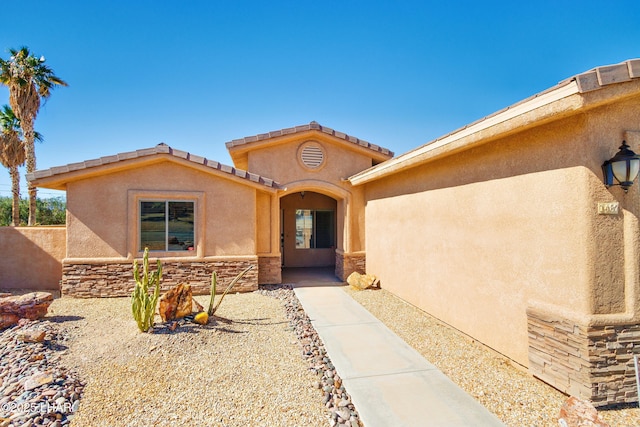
x=166, y=224
x=135, y=198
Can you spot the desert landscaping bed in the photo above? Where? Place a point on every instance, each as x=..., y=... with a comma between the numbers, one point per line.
x=516, y=397
x=259, y=364
x=244, y=370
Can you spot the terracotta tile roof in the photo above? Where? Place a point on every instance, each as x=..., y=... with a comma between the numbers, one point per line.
x=605, y=75
x=305, y=128
x=161, y=148
x=588, y=81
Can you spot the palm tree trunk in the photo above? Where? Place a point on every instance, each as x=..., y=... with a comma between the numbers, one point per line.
x=26, y=124
x=15, y=190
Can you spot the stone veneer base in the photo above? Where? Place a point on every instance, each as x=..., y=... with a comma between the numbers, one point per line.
x=347, y=263
x=116, y=279
x=269, y=270
x=590, y=362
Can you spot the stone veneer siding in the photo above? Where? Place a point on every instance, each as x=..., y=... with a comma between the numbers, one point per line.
x=590, y=362
x=348, y=263
x=116, y=279
x=269, y=270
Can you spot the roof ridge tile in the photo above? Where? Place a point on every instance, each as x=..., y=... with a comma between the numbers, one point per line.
x=180, y=153
x=197, y=159
x=604, y=75
x=312, y=126
x=610, y=74
x=634, y=68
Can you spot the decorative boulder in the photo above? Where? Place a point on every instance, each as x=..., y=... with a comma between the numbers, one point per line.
x=361, y=281
x=30, y=306
x=7, y=320
x=176, y=303
x=579, y=413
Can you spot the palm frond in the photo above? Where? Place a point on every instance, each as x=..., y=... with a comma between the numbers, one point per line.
x=8, y=120
x=12, y=152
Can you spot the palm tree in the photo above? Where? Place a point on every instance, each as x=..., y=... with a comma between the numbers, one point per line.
x=28, y=80
x=11, y=156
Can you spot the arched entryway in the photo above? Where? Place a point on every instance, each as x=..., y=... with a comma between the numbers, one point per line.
x=309, y=229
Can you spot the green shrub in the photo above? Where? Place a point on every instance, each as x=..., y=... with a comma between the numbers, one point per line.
x=50, y=211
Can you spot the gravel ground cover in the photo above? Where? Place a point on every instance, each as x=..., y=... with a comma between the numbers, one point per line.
x=260, y=364
x=35, y=389
x=505, y=389
x=245, y=370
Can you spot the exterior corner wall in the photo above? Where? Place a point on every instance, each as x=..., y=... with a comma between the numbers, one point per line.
x=93, y=279
x=32, y=257
x=591, y=362
x=347, y=263
x=474, y=255
x=511, y=221
x=269, y=269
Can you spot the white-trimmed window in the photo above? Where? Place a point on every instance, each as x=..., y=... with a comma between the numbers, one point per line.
x=167, y=225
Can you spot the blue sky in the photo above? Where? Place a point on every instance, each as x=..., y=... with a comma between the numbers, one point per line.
x=197, y=74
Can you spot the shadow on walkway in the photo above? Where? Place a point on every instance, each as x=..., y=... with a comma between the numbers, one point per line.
x=302, y=277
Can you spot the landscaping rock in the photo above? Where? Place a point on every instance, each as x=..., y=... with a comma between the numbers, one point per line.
x=37, y=379
x=30, y=306
x=8, y=320
x=361, y=281
x=31, y=336
x=35, y=390
x=336, y=399
x=579, y=413
x=176, y=303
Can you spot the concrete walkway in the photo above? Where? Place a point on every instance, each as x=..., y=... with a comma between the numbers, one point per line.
x=390, y=383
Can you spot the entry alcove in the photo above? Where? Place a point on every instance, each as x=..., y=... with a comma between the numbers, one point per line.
x=308, y=229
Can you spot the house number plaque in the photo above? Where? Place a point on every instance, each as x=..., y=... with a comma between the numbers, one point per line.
x=608, y=208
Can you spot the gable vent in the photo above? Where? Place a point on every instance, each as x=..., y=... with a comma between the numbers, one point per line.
x=312, y=156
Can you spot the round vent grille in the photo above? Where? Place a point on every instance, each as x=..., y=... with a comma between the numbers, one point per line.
x=312, y=156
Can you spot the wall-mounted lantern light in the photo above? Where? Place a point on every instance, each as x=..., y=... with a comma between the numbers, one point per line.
x=623, y=168
x=302, y=194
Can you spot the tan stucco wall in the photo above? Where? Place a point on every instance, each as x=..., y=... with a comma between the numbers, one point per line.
x=102, y=220
x=263, y=223
x=281, y=163
x=476, y=237
x=32, y=257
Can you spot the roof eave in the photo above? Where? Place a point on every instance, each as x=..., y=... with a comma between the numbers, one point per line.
x=566, y=97
x=238, y=147
x=464, y=137
x=58, y=177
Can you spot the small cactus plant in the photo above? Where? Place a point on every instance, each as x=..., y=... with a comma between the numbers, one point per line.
x=143, y=305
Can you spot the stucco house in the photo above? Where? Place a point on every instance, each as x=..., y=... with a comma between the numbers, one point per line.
x=286, y=202
x=503, y=229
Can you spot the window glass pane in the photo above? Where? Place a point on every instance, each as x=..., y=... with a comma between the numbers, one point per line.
x=180, y=226
x=304, y=229
x=325, y=226
x=167, y=226
x=152, y=226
